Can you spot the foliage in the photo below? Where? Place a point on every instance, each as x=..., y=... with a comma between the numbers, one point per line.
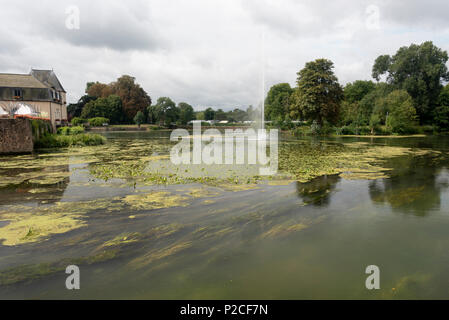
x=402, y=115
x=64, y=141
x=277, y=103
x=67, y=131
x=318, y=94
x=40, y=128
x=418, y=69
x=98, y=121
x=78, y=121
x=164, y=112
x=110, y=107
x=133, y=97
x=186, y=113
x=75, y=109
x=209, y=114
x=139, y=118
x=357, y=90
x=220, y=115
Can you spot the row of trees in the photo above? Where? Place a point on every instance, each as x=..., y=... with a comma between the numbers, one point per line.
x=118, y=101
x=166, y=112
x=412, y=93
x=124, y=101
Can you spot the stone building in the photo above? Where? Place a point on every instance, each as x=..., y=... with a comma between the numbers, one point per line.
x=40, y=89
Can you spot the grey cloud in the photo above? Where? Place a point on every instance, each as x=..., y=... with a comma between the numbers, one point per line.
x=117, y=25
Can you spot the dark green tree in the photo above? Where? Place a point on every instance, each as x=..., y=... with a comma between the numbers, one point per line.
x=209, y=114
x=139, y=118
x=110, y=107
x=318, y=94
x=186, y=112
x=166, y=111
x=401, y=113
x=277, y=102
x=419, y=69
x=441, y=112
x=220, y=115
x=75, y=109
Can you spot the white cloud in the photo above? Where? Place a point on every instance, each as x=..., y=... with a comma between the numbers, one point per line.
x=208, y=53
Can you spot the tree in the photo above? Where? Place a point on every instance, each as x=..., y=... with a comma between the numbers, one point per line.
x=209, y=114
x=98, y=89
x=277, y=102
x=139, y=118
x=418, y=69
x=186, y=112
x=133, y=97
x=402, y=115
x=357, y=90
x=441, y=112
x=166, y=111
x=199, y=115
x=110, y=107
x=220, y=115
x=359, y=112
x=237, y=115
x=75, y=109
x=318, y=94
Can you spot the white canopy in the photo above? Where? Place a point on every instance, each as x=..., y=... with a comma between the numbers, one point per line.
x=24, y=109
x=2, y=111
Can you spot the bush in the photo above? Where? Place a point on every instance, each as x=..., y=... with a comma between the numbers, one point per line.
x=65, y=141
x=65, y=131
x=98, y=121
x=70, y=131
x=78, y=121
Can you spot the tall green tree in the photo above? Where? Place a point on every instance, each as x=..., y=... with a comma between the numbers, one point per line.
x=186, y=112
x=277, y=102
x=318, y=94
x=133, y=97
x=441, y=112
x=139, y=118
x=166, y=111
x=110, y=108
x=418, y=69
x=220, y=115
x=402, y=115
x=209, y=114
x=75, y=109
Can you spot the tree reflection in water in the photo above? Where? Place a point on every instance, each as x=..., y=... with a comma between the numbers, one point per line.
x=318, y=191
x=415, y=187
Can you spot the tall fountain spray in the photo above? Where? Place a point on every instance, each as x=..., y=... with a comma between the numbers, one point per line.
x=262, y=109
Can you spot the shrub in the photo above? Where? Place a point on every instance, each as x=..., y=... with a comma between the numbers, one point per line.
x=65, y=141
x=98, y=121
x=76, y=121
x=68, y=131
x=65, y=131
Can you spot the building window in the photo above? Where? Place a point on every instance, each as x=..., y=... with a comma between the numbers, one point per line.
x=17, y=93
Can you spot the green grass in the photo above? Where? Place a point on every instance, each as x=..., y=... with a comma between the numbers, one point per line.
x=63, y=141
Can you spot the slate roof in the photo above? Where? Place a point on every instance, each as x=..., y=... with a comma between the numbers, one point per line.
x=48, y=77
x=40, y=79
x=20, y=81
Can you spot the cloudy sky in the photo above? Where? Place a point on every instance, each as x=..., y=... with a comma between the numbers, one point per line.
x=209, y=52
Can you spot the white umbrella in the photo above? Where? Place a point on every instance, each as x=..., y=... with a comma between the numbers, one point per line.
x=25, y=110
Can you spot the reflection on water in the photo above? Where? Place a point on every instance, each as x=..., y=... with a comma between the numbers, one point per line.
x=274, y=240
x=318, y=191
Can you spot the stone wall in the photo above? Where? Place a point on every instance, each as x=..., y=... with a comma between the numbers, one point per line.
x=16, y=136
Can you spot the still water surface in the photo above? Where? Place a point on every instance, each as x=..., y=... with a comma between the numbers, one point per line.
x=290, y=241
